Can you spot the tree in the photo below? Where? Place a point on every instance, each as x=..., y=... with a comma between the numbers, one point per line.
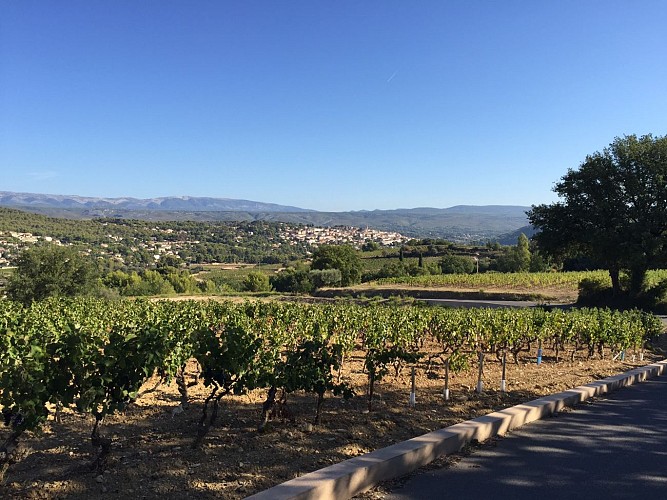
x=342, y=257
x=151, y=283
x=515, y=259
x=256, y=282
x=522, y=250
x=292, y=280
x=325, y=277
x=370, y=246
x=456, y=264
x=613, y=210
x=51, y=270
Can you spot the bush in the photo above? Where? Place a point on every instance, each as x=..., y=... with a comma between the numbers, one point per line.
x=50, y=270
x=292, y=280
x=256, y=282
x=456, y=264
x=151, y=283
x=183, y=282
x=594, y=291
x=325, y=277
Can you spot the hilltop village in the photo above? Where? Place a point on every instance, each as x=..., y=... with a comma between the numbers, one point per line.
x=162, y=241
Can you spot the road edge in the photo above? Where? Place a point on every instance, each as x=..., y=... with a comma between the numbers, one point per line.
x=353, y=476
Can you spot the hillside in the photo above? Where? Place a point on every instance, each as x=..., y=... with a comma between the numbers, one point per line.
x=463, y=223
x=175, y=203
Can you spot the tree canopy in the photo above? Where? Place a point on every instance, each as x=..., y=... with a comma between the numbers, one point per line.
x=517, y=258
x=613, y=209
x=342, y=257
x=48, y=270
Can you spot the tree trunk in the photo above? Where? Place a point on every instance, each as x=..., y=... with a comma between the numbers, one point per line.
x=615, y=280
x=637, y=276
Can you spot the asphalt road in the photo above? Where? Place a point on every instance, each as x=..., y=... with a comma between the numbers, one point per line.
x=493, y=304
x=614, y=447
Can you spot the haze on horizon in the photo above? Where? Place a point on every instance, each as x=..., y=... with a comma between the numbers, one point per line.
x=327, y=106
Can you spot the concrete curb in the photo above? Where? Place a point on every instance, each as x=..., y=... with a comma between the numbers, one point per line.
x=348, y=478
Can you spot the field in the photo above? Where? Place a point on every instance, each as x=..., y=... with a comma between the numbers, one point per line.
x=152, y=454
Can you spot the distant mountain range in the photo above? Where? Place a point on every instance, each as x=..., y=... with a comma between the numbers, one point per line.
x=175, y=203
x=462, y=223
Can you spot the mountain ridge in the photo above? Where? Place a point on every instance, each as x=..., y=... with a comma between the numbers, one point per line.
x=461, y=223
x=203, y=203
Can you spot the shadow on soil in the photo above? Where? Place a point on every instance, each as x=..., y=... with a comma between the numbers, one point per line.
x=152, y=456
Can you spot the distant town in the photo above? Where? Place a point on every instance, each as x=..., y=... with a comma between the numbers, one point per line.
x=11, y=242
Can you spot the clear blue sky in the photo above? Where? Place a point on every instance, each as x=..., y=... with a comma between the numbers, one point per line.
x=330, y=105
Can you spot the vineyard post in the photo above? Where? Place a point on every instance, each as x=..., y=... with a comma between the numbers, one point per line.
x=413, y=397
x=445, y=393
x=503, y=383
x=641, y=353
x=480, y=384
x=539, y=352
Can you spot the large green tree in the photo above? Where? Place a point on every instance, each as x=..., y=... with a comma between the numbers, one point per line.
x=46, y=270
x=515, y=259
x=613, y=208
x=342, y=257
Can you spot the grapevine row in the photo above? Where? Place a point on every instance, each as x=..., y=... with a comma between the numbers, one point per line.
x=561, y=280
x=94, y=355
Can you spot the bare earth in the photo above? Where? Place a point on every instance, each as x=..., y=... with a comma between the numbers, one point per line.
x=152, y=456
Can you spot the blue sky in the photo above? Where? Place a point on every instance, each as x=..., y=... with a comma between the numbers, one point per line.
x=331, y=105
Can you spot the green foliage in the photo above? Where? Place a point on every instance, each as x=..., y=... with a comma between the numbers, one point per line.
x=321, y=278
x=309, y=367
x=256, y=282
x=292, y=280
x=93, y=355
x=538, y=264
x=50, y=270
x=456, y=264
x=563, y=280
x=182, y=282
x=342, y=257
x=150, y=283
x=612, y=209
x=594, y=291
x=136, y=241
x=515, y=259
x=370, y=246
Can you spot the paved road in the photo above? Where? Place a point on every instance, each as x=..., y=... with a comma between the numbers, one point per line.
x=464, y=303
x=615, y=447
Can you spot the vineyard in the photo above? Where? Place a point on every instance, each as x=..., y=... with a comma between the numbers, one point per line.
x=563, y=280
x=89, y=361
